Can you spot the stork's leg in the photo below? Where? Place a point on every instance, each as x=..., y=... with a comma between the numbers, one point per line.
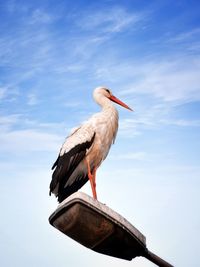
x=92, y=178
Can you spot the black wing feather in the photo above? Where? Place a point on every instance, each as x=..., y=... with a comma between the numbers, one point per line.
x=65, y=165
x=77, y=184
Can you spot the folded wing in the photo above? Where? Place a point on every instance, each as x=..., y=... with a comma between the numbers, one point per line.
x=71, y=154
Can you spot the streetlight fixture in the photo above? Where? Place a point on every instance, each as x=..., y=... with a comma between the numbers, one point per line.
x=101, y=229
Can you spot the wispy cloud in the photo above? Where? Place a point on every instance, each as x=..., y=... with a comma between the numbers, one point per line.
x=71, y=104
x=130, y=128
x=3, y=92
x=181, y=122
x=130, y=156
x=32, y=99
x=154, y=118
x=40, y=16
x=6, y=122
x=8, y=93
x=172, y=79
x=175, y=80
x=185, y=36
x=29, y=140
x=18, y=134
x=112, y=20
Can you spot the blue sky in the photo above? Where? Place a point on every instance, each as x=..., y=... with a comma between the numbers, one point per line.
x=52, y=55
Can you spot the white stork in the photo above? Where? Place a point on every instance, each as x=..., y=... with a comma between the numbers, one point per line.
x=85, y=149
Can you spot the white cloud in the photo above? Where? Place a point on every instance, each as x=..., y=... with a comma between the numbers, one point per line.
x=172, y=79
x=177, y=80
x=29, y=140
x=9, y=120
x=142, y=119
x=185, y=36
x=129, y=128
x=32, y=99
x=181, y=122
x=64, y=67
x=112, y=20
x=72, y=104
x=8, y=92
x=34, y=136
x=40, y=16
x=3, y=92
x=152, y=119
x=130, y=156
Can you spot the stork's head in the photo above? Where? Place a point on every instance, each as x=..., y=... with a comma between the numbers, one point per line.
x=106, y=92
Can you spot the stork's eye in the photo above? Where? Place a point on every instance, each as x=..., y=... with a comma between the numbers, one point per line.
x=108, y=91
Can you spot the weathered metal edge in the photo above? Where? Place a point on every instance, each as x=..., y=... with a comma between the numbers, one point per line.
x=104, y=210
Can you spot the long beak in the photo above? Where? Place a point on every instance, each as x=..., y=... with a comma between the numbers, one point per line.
x=116, y=100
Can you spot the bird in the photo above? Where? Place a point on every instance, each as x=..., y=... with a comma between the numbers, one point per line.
x=86, y=148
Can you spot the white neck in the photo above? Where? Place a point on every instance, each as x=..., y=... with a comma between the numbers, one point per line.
x=103, y=101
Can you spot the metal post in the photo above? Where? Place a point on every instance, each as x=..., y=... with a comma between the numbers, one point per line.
x=155, y=259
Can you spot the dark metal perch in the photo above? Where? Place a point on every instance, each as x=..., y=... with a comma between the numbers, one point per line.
x=101, y=229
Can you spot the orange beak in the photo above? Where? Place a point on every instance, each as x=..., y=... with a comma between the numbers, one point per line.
x=116, y=100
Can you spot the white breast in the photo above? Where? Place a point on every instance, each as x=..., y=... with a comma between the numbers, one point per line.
x=105, y=125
